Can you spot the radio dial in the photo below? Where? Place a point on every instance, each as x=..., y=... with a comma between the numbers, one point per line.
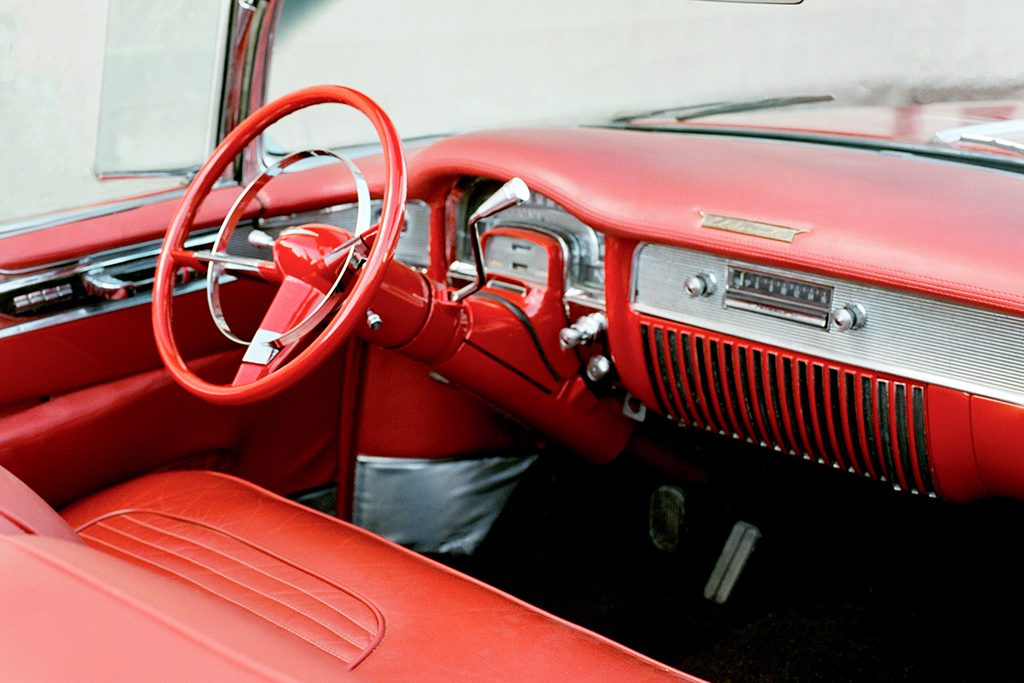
x=849, y=317
x=703, y=284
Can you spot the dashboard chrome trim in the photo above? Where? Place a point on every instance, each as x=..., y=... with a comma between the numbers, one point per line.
x=106, y=306
x=412, y=250
x=95, y=262
x=909, y=335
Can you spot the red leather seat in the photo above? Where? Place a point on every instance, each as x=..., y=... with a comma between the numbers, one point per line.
x=325, y=590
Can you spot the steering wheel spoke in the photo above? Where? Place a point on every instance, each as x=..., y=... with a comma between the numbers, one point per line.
x=187, y=259
x=267, y=270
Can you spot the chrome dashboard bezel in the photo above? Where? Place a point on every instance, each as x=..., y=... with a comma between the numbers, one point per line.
x=777, y=304
x=544, y=216
x=936, y=341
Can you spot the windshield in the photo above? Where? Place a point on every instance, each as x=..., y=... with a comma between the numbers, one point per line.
x=469, y=64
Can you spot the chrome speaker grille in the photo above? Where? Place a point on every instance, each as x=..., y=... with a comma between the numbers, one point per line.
x=847, y=417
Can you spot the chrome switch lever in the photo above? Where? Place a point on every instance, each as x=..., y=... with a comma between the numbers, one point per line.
x=108, y=286
x=513, y=193
x=583, y=331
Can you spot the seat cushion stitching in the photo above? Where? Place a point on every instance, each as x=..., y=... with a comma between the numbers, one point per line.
x=234, y=581
x=224, y=597
x=255, y=569
x=213, y=592
x=294, y=507
x=81, y=530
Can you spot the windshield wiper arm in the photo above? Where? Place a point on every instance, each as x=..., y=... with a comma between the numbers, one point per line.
x=695, y=111
x=985, y=134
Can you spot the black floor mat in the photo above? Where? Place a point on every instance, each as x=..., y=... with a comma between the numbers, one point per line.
x=850, y=581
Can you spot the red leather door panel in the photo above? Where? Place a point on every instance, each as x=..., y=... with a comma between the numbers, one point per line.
x=86, y=403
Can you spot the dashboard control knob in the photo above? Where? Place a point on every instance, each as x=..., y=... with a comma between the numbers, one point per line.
x=583, y=331
x=598, y=367
x=702, y=284
x=373, y=321
x=568, y=337
x=849, y=317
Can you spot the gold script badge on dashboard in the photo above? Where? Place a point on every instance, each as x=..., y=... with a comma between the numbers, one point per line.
x=753, y=228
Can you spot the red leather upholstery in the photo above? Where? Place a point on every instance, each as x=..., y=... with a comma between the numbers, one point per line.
x=390, y=614
x=71, y=613
x=24, y=512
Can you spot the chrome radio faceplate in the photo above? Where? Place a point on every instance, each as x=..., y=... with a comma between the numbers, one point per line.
x=782, y=297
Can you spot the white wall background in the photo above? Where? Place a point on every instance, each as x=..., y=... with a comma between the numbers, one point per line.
x=484, y=63
x=51, y=59
x=532, y=61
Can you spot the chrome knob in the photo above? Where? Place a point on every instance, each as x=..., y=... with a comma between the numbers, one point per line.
x=373, y=320
x=702, y=284
x=849, y=317
x=583, y=331
x=598, y=367
x=258, y=238
x=569, y=337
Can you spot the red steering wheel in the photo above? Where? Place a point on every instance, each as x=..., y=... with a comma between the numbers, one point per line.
x=312, y=263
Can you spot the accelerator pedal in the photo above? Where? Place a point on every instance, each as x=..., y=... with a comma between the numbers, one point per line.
x=738, y=549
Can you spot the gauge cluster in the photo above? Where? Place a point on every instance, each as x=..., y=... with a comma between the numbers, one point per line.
x=583, y=248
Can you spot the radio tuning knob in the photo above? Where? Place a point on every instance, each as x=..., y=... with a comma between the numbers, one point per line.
x=702, y=284
x=849, y=317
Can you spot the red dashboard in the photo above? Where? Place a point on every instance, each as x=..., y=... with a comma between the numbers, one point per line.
x=921, y=397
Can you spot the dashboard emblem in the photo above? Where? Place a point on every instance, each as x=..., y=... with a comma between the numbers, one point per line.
x=744, y=227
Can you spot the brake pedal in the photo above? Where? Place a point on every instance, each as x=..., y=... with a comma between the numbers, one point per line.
x=738, y=549
x=667, y=512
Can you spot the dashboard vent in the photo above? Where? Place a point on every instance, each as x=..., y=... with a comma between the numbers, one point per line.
x=847, y=417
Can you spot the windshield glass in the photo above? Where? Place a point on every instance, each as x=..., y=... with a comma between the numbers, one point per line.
x=469, y=64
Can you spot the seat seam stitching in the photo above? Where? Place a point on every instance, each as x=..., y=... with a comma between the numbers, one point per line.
x=219, y=595
x=255, y=569
x=234, y=581
x=380, y=621
x=224, y=597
